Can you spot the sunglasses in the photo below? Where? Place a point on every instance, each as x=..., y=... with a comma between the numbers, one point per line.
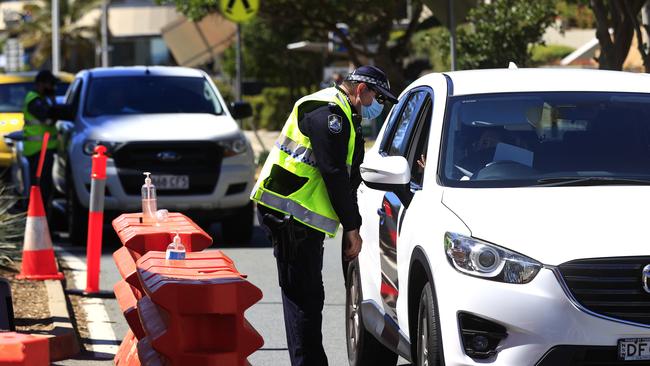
x=381, y=98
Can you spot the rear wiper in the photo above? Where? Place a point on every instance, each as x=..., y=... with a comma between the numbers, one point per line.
x=590, y=181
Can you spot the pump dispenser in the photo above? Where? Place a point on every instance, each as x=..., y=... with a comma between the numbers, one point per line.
x=149, y=204
x=176, y=249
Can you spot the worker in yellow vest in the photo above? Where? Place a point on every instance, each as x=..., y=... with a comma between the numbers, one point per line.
x=40, y=113
x=307, y=187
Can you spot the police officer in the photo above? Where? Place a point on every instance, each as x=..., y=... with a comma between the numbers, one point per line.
x=307, y=187
x=40, y=113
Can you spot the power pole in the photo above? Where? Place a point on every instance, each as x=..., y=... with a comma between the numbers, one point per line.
x=238, y=76
x=104, y=32
x=452, y=34
x=56, y=52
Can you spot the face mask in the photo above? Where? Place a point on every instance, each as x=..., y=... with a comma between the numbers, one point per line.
x=372, y=111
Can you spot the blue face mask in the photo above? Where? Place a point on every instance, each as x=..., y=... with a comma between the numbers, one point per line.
x=372, y=111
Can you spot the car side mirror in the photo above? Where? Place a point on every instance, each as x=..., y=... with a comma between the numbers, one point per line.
x=241, y=110
x=388, y=173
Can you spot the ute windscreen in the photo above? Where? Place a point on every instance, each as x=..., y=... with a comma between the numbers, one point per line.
x=150, y=94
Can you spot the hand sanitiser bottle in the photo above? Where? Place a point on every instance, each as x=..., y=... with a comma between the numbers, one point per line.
x=149, y=205
x=175, y=250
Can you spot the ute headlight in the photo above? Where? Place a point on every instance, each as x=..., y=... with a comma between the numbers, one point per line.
x=234, y=147
x=478, y=258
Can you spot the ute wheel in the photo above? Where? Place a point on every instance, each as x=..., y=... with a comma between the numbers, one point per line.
x=238, y=228
x=363, y=348
x=77, y=217
x=429, y=346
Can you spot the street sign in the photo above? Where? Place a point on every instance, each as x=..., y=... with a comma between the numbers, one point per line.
x=239, y=11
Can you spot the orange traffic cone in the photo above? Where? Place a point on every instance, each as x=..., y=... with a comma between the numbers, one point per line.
x=38, y=255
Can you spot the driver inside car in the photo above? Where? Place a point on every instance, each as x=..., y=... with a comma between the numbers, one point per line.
x=479, y=153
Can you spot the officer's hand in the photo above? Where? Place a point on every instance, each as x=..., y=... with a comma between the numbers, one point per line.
x=352, y=241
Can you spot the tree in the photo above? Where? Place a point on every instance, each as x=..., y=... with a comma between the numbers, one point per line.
x=77, y=48
x=622, y=17
x=371, y=37
x=503, y=31
x=266, y=58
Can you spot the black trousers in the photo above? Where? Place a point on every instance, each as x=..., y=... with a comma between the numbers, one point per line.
x=303, y=294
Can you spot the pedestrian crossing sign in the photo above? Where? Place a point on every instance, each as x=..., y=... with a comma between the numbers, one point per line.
x=239, y=11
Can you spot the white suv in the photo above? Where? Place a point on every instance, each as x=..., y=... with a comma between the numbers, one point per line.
x=518, y=239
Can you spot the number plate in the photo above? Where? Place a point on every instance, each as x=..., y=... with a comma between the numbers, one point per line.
x=171, y=182
x=634, y=349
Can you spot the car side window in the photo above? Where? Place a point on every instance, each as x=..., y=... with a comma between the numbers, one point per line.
x=69, y=95
x=73, y=95
x=402, y=130
x=418, y=148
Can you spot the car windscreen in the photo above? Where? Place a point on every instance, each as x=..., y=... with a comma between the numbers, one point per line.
x=12, y=96
x=150, y=94
x=550, y=138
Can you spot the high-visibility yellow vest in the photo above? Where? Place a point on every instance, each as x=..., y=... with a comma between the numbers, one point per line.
x=33, y=130
x=310, y=203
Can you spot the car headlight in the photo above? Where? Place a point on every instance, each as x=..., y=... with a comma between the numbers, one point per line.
x=89, y=146
x=478, y=258
x=234, y=147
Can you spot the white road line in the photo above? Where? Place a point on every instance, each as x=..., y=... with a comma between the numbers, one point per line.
x=98, y=322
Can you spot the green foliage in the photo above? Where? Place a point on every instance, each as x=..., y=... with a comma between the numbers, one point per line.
x=503, y=31
x=271, y=108
x=576, y=14
x=193, y=9
x=12, y=227
x=549, y=54
x=279, y=22
x=77, y=48
x=495, y=34
x=266, y=58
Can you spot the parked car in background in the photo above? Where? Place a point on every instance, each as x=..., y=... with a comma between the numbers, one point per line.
x=170, y=121
x=503, y=216
x=13, y=89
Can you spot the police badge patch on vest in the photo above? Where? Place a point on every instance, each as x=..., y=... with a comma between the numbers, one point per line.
x=334, y=123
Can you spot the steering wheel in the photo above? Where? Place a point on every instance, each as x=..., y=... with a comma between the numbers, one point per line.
x=501, y=169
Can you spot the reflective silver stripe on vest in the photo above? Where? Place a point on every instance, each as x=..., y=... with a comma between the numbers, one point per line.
x=295, y=150
x=300, y=212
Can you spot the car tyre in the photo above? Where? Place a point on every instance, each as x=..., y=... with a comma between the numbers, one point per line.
x=363, y=348
x=238, y=228
x=429, y=346
x=77, y=217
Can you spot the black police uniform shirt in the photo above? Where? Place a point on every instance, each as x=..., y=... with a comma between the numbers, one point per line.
x=329, y=132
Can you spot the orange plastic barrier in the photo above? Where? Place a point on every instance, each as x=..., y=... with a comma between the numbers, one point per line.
x=127, y=354
x=193, y=313
x=23, y=350
x=148, y=356
x=127, y=297
x=125, y=260
x=142, y=238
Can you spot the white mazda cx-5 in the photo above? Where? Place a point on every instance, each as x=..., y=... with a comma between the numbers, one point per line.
x=504, y=216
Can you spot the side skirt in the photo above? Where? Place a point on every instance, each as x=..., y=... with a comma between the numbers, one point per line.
x=385, y=329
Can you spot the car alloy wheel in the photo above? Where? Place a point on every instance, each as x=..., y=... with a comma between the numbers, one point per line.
x=353, y=314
